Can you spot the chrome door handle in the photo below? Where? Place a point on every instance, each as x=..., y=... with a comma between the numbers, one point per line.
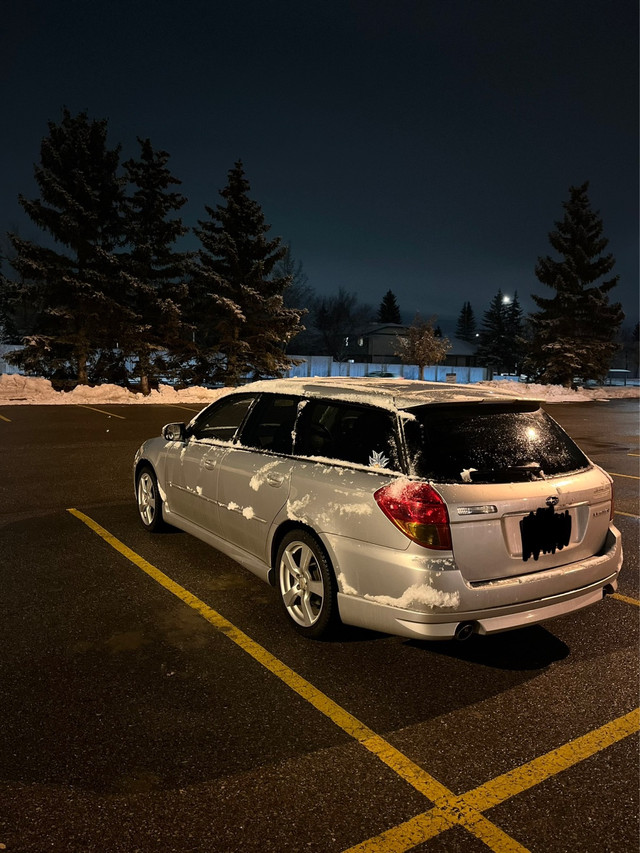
x=275, y=479
x=209, y=464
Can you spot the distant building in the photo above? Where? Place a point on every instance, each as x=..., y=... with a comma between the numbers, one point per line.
x=377, y=345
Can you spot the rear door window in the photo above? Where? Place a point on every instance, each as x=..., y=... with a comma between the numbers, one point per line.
x=489, y=443
x=350, y=433
x=270, y=425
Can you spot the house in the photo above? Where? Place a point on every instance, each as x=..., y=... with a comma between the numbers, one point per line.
x=378, y=343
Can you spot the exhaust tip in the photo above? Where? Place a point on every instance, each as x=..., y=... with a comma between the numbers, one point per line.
x=464, y=630
x=607, y=590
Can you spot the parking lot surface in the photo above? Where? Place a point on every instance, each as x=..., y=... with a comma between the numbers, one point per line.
x=155, y=699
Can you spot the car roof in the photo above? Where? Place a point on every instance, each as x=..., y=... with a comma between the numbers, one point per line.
x=393, y=393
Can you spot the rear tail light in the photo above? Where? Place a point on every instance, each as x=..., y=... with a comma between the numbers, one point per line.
x=418, y=511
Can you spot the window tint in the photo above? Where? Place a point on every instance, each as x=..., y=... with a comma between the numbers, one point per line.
x=270, y=424
x=350, y=433
x=489, y=443
x=221, y=420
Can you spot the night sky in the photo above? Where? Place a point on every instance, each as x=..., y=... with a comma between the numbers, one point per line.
x=424, y=147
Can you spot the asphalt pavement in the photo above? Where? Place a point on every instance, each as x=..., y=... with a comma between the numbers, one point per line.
x=155, y=699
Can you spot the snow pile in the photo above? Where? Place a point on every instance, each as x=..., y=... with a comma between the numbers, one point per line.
x=19, y=390
x=23, y=390
x=558, y=393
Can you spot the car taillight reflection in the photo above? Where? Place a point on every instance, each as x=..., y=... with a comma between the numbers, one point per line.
x=418, y=511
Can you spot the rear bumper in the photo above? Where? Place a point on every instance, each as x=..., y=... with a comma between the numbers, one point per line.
x=494, y=606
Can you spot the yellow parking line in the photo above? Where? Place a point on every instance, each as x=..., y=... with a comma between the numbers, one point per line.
x=425, y=826
x=627, y=514
x=626, y=599
x=101, y=411
x=628, y=476
x=516, y=781
x=2, y=418
x=450, y=813
x=186, y=408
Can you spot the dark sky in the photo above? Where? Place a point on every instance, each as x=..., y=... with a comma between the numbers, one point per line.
x=425, y=147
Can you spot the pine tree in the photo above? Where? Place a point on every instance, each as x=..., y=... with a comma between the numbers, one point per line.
x=421, y=345
x=574, y=331
x=8, y=300
x=466, y=327
x=79, y=207
x=500, y=338
x=154, y=272
x=389, y=312
x=242, y=317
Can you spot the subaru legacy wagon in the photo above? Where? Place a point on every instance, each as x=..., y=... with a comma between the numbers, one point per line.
x=412, y=508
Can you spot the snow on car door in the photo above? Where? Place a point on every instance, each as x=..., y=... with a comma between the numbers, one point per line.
x=193, y=466
x=252, y=489
x=254, y=478
x=192, y=475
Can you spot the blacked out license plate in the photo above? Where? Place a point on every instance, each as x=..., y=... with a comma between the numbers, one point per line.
x=544, y=532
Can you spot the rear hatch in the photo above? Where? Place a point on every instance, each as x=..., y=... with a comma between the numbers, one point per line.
x=521, y=496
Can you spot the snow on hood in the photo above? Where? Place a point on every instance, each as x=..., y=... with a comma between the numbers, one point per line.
x=28, y=390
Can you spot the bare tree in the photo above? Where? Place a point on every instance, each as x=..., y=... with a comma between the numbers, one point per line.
x=421, y=345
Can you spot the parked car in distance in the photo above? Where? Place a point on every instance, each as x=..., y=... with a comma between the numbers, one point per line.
x=419, y=509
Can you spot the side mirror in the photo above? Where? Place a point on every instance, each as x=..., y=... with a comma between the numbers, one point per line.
x=174, y=432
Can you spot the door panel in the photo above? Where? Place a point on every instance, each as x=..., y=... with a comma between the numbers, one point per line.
x=192, y=481
x=252, y=489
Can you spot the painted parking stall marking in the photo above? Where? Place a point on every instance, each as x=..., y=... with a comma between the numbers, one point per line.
x=102, y=412
x=449, y=809
x=496, y=791
x=626, y=599
x=2, y=418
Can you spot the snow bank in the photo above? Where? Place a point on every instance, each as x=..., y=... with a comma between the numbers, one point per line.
x=560, y=394
x=25, y=390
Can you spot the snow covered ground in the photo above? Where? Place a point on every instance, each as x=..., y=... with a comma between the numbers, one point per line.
x=18, y=390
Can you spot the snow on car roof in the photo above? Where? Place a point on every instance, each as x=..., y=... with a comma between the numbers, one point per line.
x=388, y=393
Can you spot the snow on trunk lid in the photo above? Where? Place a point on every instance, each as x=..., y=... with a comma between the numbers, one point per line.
x=502, y=530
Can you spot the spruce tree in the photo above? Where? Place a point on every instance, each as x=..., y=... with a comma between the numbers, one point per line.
x=573, y=334
x=466, y=327
x=389, y=312
x=243, y=326
x=8, y=300
x=154, y=272
x=500, y=338
x=80, y=208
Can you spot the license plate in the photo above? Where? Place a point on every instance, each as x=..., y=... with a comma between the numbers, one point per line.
x=544, y=532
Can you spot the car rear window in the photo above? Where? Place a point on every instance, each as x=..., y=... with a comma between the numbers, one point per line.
x=489, y=443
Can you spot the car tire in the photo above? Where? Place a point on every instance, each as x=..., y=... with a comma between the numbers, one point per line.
x=149, y=500
x=307, y=585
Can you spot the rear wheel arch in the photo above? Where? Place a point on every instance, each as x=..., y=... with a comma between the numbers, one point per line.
x=306, y=581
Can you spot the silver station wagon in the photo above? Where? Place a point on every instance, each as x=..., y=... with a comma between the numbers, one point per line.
x=419, y=509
